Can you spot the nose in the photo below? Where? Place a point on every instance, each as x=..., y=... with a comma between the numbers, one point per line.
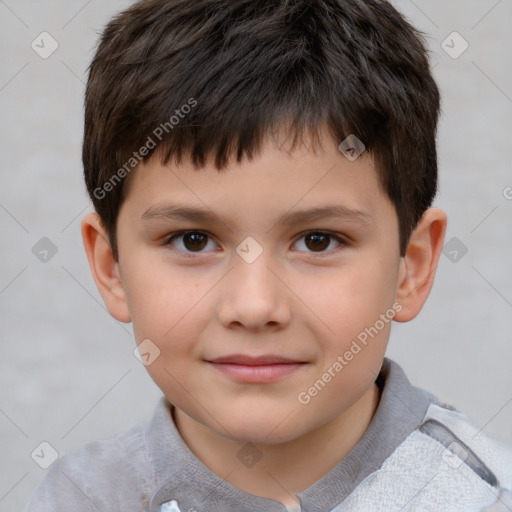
x=254, y=296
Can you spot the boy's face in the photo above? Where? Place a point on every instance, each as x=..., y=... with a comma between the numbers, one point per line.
x=245, y=284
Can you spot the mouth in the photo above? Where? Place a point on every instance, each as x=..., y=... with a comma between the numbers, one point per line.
x=261, y=369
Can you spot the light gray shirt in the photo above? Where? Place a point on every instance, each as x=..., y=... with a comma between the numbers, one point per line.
x=150, y=465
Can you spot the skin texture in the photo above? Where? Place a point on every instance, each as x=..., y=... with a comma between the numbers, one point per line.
x=298, y=300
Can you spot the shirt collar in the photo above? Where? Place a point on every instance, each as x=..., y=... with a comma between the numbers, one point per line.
x=179, y=475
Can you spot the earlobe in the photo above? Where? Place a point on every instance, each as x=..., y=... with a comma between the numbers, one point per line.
x=418, y=265
x=104, y=268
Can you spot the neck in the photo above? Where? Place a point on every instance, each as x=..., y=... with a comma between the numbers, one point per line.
x=287, y=468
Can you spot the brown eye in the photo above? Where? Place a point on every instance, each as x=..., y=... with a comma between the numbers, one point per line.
x=189, y=241
x=195, y=241
x=317, y=241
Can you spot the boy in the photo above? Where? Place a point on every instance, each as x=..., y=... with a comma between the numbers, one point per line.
x=224, y=140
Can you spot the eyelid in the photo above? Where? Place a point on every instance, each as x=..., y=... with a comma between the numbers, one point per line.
x=168, y=239
x=338, y=236
x=341, y=239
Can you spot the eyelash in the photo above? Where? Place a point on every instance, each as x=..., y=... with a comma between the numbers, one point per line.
x=342, y=241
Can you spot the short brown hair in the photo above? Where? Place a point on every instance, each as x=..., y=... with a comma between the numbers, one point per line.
x=233, y=71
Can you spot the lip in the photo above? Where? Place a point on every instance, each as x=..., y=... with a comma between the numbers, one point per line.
x=246, y=360
x=260, y=369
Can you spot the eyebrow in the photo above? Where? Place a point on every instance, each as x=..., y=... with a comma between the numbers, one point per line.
x=292, y=217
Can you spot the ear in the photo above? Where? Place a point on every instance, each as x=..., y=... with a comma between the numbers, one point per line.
x=418, y=265
x=104, y=268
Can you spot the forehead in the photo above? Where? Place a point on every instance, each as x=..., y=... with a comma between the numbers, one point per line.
x=276, y=181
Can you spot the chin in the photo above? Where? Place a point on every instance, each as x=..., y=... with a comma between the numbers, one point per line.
x=261, y=430
x=259, y=438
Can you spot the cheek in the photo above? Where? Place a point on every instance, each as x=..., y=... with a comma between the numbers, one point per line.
x=174, y=319
x=165, y=304
x=351, y=299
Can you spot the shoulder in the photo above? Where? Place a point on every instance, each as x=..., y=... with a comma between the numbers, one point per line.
x=464, y=442
x=102, y=475
x=447, y=463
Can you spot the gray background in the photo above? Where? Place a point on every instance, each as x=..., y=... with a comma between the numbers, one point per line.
x=68, y=375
